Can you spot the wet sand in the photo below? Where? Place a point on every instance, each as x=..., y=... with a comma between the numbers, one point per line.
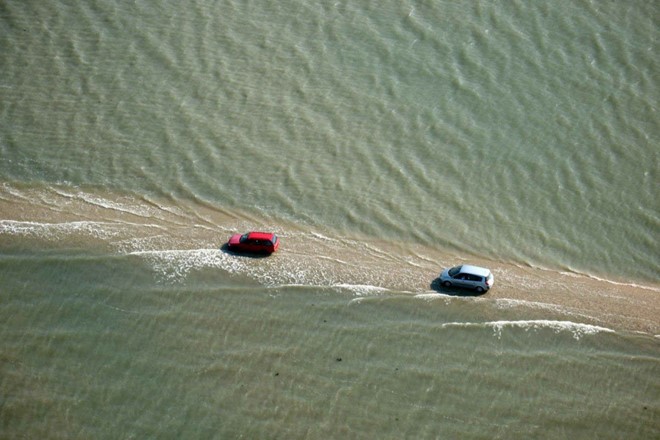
x=63, y=218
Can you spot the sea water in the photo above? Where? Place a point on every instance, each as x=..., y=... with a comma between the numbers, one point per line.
x=382, y=141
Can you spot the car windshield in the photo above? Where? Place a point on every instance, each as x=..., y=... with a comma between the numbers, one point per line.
x=243, y=238
x=454, y=270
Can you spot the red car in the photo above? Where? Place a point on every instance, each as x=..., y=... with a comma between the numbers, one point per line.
x=254, y=243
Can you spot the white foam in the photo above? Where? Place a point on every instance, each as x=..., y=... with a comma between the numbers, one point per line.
x=570, y=274
x=174, y=265
x=361, y=289
x=334, y=260
x=430, y=295
x=55, y=230
x=288, y=285
x=323, y=237
x=411, y=262
x=135, y=209
x=506, y=303
x=433, y=296
x=577, y=329
x=618, y=283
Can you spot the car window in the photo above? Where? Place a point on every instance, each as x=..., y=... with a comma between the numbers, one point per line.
x=454, y=270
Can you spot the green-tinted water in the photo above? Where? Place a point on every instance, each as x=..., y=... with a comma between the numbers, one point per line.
x=382, y=142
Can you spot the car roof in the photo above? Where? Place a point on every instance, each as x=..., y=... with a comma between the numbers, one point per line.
x=475, y=270
x=254, y=235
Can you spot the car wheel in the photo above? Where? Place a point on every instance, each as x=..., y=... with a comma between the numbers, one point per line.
x=480, y=289
x=446, y=283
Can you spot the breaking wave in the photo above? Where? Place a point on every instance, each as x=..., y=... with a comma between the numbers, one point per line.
x=578, y=330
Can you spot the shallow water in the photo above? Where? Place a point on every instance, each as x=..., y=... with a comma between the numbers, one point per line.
x=381, y=142
x=94, y=347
